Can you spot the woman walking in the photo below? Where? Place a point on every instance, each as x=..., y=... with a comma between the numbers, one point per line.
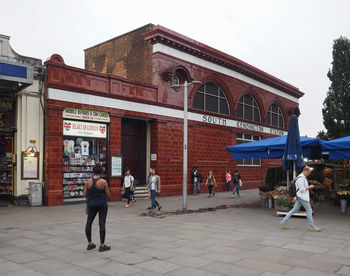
x=97, y=203
x=128, y=185
x=210, y=183
x=154, y=187
x=228, y=180
x=236, y=183
x=149, y=177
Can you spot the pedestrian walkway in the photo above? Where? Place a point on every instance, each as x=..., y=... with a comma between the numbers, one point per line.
x=233, y=241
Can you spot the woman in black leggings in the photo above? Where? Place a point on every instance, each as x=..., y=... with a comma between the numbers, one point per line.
x=98, y=195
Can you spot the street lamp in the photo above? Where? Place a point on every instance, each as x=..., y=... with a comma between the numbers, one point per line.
x=184, y=176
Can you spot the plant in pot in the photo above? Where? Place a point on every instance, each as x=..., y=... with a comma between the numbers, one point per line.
x=263, y=191
x=283, y=203
x=343, y=196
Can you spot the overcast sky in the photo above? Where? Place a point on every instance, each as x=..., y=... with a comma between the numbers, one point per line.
x=291, y=40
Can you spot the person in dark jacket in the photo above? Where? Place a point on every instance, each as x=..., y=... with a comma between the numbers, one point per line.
x=196, y=180
x=97, y=203
x=236, y=180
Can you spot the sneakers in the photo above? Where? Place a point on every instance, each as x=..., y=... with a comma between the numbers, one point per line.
x=315, y=229
x=233, y=196
x=104, y=248
x=91, y=246
x=213, y=194
x=284, y=225
x=159, y=207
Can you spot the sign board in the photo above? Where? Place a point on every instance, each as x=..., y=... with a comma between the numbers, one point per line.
x=30, y=165
x=84, y=129
x=153, y=157
x=7, y=113
x=116, y=166
x=86, y=115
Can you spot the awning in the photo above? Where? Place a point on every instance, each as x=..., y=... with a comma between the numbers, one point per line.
x=337, y=148
x=273, y=148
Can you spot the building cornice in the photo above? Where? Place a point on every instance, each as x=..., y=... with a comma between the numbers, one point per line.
x=162, y=35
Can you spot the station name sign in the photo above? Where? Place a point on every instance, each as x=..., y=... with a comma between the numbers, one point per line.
x=7, y=113
x=243, y=125
x=86, y=115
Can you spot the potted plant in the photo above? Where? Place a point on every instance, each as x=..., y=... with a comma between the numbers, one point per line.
x=283, y=203
x=263, y=196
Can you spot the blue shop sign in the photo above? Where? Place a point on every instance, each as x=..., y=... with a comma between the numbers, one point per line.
x=13, y=70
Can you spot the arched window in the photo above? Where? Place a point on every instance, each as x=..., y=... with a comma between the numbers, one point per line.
x=275, y=116
x=248, y=109
x=210, y=97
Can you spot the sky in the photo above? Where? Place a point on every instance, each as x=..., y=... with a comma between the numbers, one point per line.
x=290, y=39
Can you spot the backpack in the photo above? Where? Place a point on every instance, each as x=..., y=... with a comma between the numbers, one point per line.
x=292, y=189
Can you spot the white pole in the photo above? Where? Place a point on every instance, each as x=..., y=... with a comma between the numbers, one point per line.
x=294, y=170
x=184, y=178
x=288, y=182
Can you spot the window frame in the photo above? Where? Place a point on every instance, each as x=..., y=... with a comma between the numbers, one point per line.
x=254, y=106
x=246, y=140
x=279, y=114
x=218, y=97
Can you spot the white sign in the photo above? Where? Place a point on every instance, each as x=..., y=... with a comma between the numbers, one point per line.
x=86, y=115
x=84, y=129
x=153, y=157
x=116, y=166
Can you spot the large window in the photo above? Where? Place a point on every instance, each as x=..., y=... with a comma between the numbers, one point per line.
x=248, y=109
x=275, y=116
x=245, y=138
x=210, y=97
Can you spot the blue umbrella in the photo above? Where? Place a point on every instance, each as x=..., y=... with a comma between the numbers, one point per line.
x=292, y=155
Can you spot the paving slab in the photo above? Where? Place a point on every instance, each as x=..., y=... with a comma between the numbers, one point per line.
x=218, y=257
x=231, y=269
x=345, y=270
x=321, y=266
x=131, y=258
x=158, y=266
x=307, y=272
x=264, y=265
x=115, y=268
x=191, y=271
x=190, y=261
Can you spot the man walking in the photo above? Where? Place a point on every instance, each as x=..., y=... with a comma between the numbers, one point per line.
x=302, y=198
x=196, y=181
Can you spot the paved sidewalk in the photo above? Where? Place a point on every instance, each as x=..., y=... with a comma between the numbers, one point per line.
x=235, y=241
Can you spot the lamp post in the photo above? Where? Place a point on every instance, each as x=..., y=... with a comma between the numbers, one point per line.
x=184, y=176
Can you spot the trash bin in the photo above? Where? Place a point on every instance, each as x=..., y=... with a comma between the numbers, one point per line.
x=35, y=193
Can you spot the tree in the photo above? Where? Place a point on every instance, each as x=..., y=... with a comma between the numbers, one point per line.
x=336, y=106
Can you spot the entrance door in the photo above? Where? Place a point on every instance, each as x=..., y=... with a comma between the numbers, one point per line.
x=134, y=149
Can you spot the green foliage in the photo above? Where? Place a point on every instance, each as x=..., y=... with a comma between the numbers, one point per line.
x=270, y=179
x=336, y=106
x=284, y=201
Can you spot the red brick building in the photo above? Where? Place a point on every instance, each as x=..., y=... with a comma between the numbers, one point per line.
x=123, y=106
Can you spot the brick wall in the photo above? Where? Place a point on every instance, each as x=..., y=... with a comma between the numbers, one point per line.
x=127, y=56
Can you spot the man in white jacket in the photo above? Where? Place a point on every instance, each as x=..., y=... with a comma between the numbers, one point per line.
x=302, y=198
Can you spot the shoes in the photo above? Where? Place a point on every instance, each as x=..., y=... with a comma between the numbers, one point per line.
x=233, y=196
x=315, y=229
x=104, y=248
x=213, y=194
x=159, y=207
x=284, y=225
x=127, y=206
x=149, y=208
x=208, y=195
x=90, y=247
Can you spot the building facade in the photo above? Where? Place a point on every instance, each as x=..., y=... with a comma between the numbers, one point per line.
x=21, y=122
x=123, y=109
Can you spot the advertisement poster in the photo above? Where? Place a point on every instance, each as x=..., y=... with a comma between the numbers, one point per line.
x=30, y=167
x=84, y=129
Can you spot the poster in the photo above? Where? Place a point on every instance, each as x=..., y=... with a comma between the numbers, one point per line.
x=30, y=167
x=84, y=129
x=116, y=166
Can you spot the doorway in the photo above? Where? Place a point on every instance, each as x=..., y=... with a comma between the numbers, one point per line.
x=134, y=137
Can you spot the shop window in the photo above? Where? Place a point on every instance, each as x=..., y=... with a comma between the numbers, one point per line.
x=6, y=166
x=245, y=138
x=79, y=156
x=211, y=98
x=248, y=109
x=275, y=116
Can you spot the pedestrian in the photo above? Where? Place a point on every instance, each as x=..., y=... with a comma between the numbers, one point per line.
x=196, y=181
x=128, y=185
x=228, y=178
x=154, y=187
x=147, y=185
x=97, y=203
x=210, y=183
x=302, y=198
x=236, y=183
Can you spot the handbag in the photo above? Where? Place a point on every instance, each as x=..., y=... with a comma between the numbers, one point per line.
x=240, y=183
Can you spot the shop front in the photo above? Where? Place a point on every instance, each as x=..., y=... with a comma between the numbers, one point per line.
x=84, y=144
x=21, y=122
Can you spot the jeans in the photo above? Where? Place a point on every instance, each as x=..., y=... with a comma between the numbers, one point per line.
x=102, y=215
x=196, y=187
x=296, y=208
x=153, y=198
x=210, y=187
x=236, y=189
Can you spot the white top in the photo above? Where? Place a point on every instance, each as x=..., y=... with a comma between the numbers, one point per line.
x=301, y=184
x=84, y=148
x=128, y=180
x=153, y=183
